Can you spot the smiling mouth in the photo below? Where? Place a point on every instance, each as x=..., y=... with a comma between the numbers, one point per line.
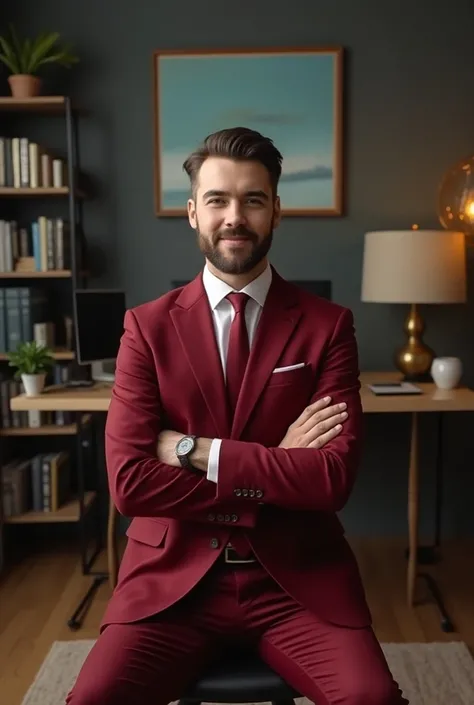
x=236, y=238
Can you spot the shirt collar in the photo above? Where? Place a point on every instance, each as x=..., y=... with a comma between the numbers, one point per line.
x=217, y=290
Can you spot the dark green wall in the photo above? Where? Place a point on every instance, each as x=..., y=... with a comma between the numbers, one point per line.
x=409, y=115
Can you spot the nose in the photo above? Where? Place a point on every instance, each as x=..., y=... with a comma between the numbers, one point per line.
x=234, y=215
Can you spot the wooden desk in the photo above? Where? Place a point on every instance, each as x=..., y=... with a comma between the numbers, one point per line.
x=60, y=398
x=97, y=398
x=432, y=400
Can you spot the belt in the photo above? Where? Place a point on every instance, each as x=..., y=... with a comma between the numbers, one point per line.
x=231, y=556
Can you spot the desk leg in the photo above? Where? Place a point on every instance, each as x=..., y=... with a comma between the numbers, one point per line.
x=413, y=511
x=413, y=519
x=431, y=553
x=84, y=443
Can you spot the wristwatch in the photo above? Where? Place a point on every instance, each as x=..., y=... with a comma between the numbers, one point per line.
x=184, y=447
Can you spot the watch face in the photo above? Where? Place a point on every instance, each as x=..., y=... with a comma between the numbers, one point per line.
x=185, y=446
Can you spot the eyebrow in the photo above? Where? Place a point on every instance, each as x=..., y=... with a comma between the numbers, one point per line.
x=216, y=192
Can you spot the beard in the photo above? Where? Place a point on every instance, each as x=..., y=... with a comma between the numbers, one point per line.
x=237, y=263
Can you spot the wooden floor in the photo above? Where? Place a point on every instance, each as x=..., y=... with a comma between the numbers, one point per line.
x=38, y=595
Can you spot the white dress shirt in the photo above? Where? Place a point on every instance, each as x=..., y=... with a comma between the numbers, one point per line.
x=223, y=315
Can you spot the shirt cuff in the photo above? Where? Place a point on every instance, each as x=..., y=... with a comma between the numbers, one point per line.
x=213, y=462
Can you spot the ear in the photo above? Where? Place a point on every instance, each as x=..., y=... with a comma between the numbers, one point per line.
x=277, y=212
x=192, y=213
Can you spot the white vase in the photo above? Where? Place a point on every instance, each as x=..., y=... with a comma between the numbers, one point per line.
x=33, y=384
x=446, y=372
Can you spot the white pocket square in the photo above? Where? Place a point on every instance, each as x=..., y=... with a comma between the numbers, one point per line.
x=288, y=368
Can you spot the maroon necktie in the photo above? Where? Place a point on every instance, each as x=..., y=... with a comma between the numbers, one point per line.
x=237, y=358
x=238, y=350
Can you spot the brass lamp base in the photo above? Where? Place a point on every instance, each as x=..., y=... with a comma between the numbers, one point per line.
x=414, y=358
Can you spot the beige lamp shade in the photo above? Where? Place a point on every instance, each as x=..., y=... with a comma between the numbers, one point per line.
x=414, y=267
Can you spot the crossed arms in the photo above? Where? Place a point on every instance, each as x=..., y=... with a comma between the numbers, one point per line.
x=313, y=468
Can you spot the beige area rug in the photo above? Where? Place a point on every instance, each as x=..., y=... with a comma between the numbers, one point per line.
x=429, y=674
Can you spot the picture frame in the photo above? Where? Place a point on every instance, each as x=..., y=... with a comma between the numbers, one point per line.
x=292, y=95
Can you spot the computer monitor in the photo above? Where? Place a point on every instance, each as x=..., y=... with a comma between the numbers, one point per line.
x=98, y=322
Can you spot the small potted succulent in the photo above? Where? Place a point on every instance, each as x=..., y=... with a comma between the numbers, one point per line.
x=25, y=58
x=33, y=362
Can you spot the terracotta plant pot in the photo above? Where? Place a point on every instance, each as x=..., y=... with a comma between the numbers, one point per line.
x=24, y=86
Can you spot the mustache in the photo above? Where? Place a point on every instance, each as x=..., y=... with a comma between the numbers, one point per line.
x=241, y=231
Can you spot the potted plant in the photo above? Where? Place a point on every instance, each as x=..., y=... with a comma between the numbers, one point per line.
x=26, y=57
x=32, y=362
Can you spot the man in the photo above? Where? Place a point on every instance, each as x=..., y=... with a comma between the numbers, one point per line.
x=232, y=439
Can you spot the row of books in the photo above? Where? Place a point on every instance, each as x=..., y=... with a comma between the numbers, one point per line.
x=21, y=308
x=45, y=239
x=10, y=387
x=26, y=164
x=41, y=483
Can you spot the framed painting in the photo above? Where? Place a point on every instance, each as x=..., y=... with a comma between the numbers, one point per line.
x=293, y=96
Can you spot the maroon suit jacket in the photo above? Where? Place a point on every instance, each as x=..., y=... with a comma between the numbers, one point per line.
x=169, y=375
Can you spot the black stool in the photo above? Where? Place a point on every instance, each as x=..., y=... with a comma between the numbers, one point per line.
x=240, y=677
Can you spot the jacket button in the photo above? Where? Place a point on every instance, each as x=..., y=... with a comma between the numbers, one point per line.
x=234, y=517
x=245, y=493
x=214, y=543
x=259, y=493
x=251, y=493
x=211, y=517
x=237, y=493
x=220, y=517
x=227, y=517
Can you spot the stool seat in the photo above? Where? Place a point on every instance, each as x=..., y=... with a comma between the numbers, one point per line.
x=239, y=677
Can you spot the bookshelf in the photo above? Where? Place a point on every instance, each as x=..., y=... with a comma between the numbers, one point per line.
x=20, y=191
x=57, y=353
x=42, y=251
x=44, y=430
x=41, y=104
x=69, y=512
x=25, y=274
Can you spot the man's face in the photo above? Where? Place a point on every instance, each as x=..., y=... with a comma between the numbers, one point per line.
x=234, y=213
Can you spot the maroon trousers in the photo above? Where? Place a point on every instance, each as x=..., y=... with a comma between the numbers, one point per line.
x=154, y=661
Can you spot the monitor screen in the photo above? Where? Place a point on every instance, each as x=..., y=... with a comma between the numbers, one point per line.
x=98, y=321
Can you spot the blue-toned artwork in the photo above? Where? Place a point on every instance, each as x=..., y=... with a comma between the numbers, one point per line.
x=294, y=97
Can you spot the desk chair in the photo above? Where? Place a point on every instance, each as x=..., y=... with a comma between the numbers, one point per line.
x=240, y=677
x=237, y=677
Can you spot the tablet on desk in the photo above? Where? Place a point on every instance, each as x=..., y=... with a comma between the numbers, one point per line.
x=79, y=383
x=394, y=388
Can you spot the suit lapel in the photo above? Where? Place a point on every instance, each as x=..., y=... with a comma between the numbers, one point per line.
x=278, y=320
x=192, y=319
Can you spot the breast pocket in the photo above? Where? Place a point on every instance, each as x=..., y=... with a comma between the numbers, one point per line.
x=290, y=376
x=283, y=400
x=151, y=532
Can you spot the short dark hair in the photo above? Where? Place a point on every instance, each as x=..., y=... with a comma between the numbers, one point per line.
x=240, y=143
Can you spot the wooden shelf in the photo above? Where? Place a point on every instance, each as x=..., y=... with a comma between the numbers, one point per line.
x=40, y=191
x=40, y=104
x=58, y=354
x=33, y=274
x=46, y=430
x=69, y=512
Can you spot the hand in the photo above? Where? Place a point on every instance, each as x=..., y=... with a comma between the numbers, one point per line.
x=165, y=448
x=317, y=425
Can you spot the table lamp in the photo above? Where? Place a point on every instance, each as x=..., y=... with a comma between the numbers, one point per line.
x=456, y=197
x=414, y=267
